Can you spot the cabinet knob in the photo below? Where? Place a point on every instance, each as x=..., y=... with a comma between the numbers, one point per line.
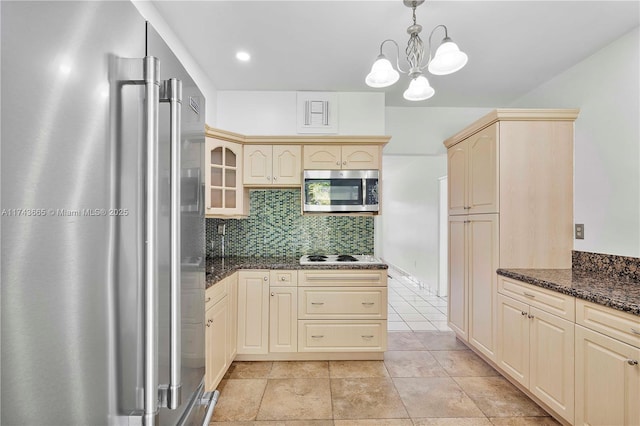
x=530, y=316
x=634, y=331
x=269, y=178
x=283, y=278
x=344, y=163
x=523, y=313
x=266, y=278
x=275, y=178
x=208, y=300
x=337, y=163
x=632, y=362
x=273, y=294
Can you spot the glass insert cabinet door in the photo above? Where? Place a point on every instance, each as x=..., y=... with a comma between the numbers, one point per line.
x=223, y=192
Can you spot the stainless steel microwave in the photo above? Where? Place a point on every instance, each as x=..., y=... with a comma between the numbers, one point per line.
x=340, y=191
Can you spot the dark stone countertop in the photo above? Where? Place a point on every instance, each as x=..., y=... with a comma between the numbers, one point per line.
x=218, y=268
x=618, y=293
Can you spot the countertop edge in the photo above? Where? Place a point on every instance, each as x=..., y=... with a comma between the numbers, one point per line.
x=590, y=296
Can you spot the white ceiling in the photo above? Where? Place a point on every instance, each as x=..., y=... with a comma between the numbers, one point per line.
x=513, y=46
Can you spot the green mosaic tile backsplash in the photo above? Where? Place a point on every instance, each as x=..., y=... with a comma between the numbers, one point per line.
x=276, y=227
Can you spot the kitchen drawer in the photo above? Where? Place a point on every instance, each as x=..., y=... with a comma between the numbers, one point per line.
x=342, y=336
x=215, y=293
x=611, y=322
x=283, y=278
x=550, y=301
x=342, y=303
x=352, y=277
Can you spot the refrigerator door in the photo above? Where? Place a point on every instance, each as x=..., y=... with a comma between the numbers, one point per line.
x=192, y=234
x=72, y=184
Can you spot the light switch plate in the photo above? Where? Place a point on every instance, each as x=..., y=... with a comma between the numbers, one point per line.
x=579, y=231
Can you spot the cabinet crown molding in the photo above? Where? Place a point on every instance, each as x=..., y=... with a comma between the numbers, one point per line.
x=295, y=139
x=512, y=114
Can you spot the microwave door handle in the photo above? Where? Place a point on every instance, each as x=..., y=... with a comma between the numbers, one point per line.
x=364, y=192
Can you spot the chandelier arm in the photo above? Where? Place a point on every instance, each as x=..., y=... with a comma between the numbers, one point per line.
x=397, y=54
x=446, y=34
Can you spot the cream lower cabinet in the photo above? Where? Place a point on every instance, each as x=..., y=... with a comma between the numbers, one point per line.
x=607, y=368
x=342, y=311
x=232, y=290
x=218, y=334
x=536, y=349
x=283, y=319
x=473, y=260
x=253, y=312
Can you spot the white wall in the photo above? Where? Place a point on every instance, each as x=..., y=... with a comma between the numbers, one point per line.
x=606, y=88
x=274, y=113
x=151, y=14
x=409, y=221
x=413, y=161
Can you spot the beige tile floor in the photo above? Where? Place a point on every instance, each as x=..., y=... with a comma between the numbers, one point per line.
x=414, y=306
x=426, y=378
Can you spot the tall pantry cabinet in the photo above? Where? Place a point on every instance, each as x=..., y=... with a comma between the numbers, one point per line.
x=510, y=177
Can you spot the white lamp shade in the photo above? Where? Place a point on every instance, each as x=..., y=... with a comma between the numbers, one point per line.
x=382, y=73
x=448, y=59
x=419, y=89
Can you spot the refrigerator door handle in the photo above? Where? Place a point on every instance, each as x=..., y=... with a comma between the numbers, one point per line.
x=171, y=394
x=151, y=73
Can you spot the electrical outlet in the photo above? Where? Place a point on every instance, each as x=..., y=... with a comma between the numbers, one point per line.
x=222, y=228
x=579, y=231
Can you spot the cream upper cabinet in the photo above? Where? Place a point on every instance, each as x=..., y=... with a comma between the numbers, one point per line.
x=272, y=165
x=253, y=312
x=473, y=172
x=224, y=192
x=345, y=157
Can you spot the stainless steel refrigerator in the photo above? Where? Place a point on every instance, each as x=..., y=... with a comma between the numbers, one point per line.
x=102, y=221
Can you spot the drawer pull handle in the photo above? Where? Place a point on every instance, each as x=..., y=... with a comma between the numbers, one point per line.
x=367, y=336
x=523, y=313
x=634, y=331
x=529, y=295
x=632, y=362
x=317, y=303
x=368, y=303
x=208, y=300
x=317, y=336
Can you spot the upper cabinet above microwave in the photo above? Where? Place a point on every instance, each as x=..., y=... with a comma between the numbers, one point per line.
x=342, y=157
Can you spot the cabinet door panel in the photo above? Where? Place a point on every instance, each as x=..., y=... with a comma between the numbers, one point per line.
x=552, y=362
x=283, y=319
x=513, y=335
x=286, y=165
x=317, y=157
x=359, y=157
x=483, y=262
x=483, y=171
x=253, y=312
x=217, y=338
x=607, y=387
x=457, y=309
x=258, y=160
x=457, y=179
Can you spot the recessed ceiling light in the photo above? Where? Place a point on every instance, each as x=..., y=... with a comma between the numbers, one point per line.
x=243, y=56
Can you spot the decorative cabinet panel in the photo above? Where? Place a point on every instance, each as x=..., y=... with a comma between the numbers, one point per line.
x=253, y=312
x=345, y=157
x=272, y=165
x=224, y=192
x=473, y=260
x=283, y=319
x=219, y=332
x=473, y=174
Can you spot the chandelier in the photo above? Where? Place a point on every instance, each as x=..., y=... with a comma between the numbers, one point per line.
x=447, y=60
